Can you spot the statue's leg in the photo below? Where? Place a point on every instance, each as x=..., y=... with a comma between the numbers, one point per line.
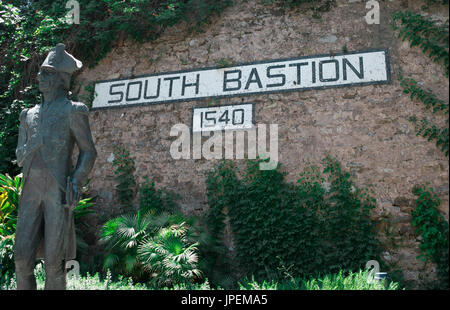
x=29, y=232
x=55, y=270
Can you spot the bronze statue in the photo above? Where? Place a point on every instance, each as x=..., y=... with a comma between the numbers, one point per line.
x=51, y=187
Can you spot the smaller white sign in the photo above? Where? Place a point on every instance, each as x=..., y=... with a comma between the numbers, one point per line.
x=226, y=117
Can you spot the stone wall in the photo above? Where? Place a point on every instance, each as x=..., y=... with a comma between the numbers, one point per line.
x=366, y=127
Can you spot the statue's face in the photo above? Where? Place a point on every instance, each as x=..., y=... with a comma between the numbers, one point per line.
x=48, y=79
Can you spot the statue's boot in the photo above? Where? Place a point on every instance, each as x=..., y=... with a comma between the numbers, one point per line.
x=25, y=276
x=55, y=277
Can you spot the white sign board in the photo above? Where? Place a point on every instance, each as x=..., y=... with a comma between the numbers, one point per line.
x=226, y=117
x=295, y=74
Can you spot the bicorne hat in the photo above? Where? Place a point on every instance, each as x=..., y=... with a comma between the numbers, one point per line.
x=61, y=61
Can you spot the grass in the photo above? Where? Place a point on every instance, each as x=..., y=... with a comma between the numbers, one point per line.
x=340, y=281
x=95, y=282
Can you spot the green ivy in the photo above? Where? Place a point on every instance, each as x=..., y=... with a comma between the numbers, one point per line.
x=156, y=201
x=423, y=32
x=433, y=40
x=216, y=261
x=423, y=127
x=433, y=230
x=432, y=132
x=298, y=229
x=426, y=96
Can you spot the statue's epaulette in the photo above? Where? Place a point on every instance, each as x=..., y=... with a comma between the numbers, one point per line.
x=23, y=114
x=79, y=107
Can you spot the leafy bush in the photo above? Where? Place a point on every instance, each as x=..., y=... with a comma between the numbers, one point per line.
x=151, y=248
x=83, y=208
x=10, y=190
x=153, y=243
x=122, y=234
x=7, y=267
x=171, y=256
x=305, y=228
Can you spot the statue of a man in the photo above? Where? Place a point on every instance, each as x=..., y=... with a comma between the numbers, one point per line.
x=51, y=186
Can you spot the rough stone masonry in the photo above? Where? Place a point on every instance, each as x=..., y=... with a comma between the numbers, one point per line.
x=365, y=127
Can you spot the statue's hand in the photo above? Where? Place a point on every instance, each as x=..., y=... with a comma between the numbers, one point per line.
x=75, y=193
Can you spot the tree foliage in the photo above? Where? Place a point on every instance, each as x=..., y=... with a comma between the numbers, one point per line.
x=30, y=28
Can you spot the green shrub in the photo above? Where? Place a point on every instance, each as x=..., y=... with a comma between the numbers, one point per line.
x=304, y=229
x=83, y=208
x=153, y=243
x=171, y=256
x=152, y=248
x=10, y=190
x=7, y=267
x=121, y=237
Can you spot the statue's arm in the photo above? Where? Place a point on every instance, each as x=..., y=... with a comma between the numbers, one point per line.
x=22, y=138
x=81, y=131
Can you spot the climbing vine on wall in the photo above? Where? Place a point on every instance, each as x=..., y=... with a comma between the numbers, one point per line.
x=433, y=40
x=299, y=229
x=426, y=34
x=423, y=127
x=433, y=230
x=124, y=175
